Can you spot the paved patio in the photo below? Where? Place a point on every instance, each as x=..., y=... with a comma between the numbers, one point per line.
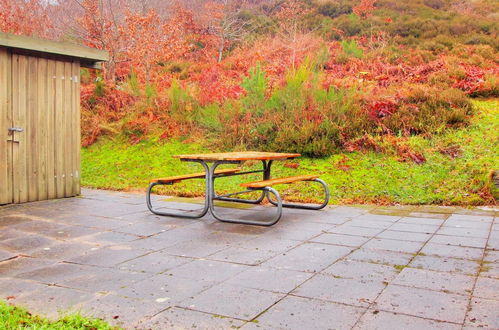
x=105, y=255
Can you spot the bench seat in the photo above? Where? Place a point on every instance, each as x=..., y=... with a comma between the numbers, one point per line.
x=200, y=175
x=272, y=182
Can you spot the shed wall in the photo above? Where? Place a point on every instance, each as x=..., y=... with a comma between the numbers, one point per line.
x=44, y=100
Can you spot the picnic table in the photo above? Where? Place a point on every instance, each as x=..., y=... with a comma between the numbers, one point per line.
x=210, y=163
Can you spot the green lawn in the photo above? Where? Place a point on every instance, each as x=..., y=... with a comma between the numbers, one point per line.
x=352, y=177
x=14, y=318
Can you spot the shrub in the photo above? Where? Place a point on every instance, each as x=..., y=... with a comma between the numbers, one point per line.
x=255, y=86
x=335, y=9
x=428, y=110
x=349, y=49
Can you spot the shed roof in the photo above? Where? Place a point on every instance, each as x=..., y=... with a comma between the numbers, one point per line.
x=87, y=56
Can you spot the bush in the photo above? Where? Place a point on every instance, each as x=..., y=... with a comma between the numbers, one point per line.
x=428, y=110
x=349, y=49
x=335, y=9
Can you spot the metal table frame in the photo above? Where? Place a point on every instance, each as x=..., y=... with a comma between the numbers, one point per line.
x=211, y=196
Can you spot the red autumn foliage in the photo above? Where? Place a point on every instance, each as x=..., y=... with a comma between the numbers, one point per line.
x=26, y=17
x=365, y=8
x=381, y=108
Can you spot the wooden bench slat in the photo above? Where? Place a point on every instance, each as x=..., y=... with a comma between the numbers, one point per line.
x=199, y=175
x=268, y=183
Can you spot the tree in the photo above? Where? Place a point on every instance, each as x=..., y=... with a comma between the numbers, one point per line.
x=292, y=27
x=26, y=17
x=149, y=40
x=99, y=27
x=224, y=21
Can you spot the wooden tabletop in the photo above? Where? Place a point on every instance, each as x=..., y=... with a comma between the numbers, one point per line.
x=241, y=156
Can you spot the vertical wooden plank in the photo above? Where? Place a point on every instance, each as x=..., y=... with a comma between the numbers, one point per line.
x=10, y=121
x=5, y=179
x=76, y=129
x=59, y=137
x=19, y=105
x=68, y=129
x=41, y=132
x=32, y=145
x=50, y=118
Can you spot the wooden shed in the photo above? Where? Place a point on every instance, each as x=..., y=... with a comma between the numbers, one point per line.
x=40, y=117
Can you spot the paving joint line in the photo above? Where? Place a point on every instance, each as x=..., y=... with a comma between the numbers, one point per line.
x=468, y=307
x=373, y=303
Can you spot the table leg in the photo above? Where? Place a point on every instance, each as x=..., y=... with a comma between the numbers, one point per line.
x=266, y=176
x=303, y=206
x=187, y=216
x=265, y=191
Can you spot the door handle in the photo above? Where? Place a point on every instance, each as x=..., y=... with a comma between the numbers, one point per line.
x=16, y=129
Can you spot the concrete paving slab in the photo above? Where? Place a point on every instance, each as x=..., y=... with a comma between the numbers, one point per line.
x=337, y=239
x=421, y=221
x=423, y=303
x=163, y=288
x=438, y=281
x=440, y=216
x=483, y=314
x=377, y=218
x=155, y=263
x=487, y=288
x=22, y=264
x=369, y=223
x=459, y=252
x=54, y=302
x=62, y=250
x=101, y=223
x=207, y=270
x=381, y=257
x=196, y=249
x=404, y=236
x=243, y=256
x=472, y=217
x=463, y=232
x=414, y=228
x=364, y=271
x=309, y=257
x=145, y=229
x=6, y=255
x=368, y=267
x=393, y=245
x=107, y=257
x=65, y=233
x=380, y=320
x=13, y=288
x=474, y=242
x=111, y=237
x=233, y=301
x=445, y=264
x=121, y=311
x=9, y=221
x=347, y=229
x=461, y=223
x=180, y=318
x=102, y=280
x=25, y=244
x=298, y=313
x=56, y=273
x=269, y=279
x=341, y=290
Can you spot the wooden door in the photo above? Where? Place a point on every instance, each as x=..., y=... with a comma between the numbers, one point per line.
x=45, y=106
x=6, y=195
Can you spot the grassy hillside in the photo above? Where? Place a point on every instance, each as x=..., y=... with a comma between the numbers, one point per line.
x=456, y=170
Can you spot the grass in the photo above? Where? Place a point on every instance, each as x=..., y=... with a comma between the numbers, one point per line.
x=352, y=177
x=14, y=318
